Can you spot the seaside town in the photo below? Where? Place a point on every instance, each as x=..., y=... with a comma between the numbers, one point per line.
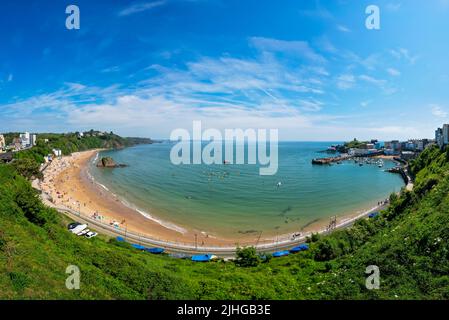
x=24, y=141
x=400, y=150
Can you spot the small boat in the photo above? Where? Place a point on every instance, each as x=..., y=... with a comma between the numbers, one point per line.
x=302, y=247
x=203, y=257
x=281, y=254
x=120, y=239
x=360, y=164
x=155, y=250
x=138, y=246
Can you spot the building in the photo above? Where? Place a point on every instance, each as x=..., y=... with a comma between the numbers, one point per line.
x=442, y=136
x=407, y=155
x=445, y=134
x=25, y=139
x=2, y=143
x=33, y=140
x=57, y=152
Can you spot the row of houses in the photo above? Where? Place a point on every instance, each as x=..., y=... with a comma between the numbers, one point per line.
x=23, y=141
x=407, y=149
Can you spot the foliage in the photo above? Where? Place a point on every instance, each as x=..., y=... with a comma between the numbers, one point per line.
x=247, y=257
x=409, y=242
x=27, y=167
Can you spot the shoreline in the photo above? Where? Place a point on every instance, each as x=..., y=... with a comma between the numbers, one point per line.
x=69, y=185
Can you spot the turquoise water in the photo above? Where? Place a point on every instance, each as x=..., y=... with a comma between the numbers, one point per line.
x=231, y=200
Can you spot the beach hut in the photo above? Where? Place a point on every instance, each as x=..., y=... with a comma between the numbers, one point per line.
x=154, y=250
x=301, y=247
x=203, y=258
x=281, y=254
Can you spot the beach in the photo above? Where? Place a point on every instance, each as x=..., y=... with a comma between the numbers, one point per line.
x=68, y=185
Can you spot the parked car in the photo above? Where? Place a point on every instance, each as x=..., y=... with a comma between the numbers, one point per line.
x=82, y=233
x=73, y=225
x=91, y=234
x=78, y=228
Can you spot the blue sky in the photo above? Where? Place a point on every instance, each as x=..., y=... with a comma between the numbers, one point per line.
x=308, y=68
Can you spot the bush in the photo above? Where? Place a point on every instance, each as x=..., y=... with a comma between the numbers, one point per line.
x=28, y=168
x=247, y=257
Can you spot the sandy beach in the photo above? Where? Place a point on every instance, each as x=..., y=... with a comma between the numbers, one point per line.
x=69, y=186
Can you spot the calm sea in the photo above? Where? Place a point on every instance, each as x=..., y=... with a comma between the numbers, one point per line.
x=231, y=200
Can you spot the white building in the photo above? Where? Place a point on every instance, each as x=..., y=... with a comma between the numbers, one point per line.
x=25, y=139
x=57, y=152
x=2, y=142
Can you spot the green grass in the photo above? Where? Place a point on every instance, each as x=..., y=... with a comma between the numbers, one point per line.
x=408, y=242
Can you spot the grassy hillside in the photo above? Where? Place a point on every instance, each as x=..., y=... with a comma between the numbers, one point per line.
x=408, y=242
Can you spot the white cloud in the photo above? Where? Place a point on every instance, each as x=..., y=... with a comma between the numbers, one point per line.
x=345, y=81
x=438, y=111
x=343, y=28
x=393, y=7
x=10, y=77
x=299, y=48
x=140, y=7
x=404, y=54
x=365, y=103
x=393, y=72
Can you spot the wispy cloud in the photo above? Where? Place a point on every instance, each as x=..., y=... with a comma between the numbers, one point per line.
x=342, y=28
x=404, y=54
x=299, y=48
x=393, y=7
x=393, y=72
x=438, y=111
x=140, y=7
x=345, y=81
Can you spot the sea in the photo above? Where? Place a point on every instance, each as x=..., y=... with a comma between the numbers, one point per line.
x=230, y=200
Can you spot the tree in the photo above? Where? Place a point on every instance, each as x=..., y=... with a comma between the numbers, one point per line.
x=247, y=257
x=27, y=167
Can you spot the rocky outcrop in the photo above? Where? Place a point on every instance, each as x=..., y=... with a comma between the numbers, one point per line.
x=108, y=162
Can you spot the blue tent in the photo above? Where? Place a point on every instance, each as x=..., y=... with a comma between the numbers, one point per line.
x=373, y=215
x=120, y=239
x=138, y=246
x=202, y=258
x=301, y=247
x=280, y=254
x=154, y=250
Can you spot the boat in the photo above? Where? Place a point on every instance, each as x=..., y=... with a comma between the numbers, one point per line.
x=360, y=164
x=138, y=246
x=203, y=257
x=281, y=254
x=155, y=250
x=120, y=239
x=302, y=247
